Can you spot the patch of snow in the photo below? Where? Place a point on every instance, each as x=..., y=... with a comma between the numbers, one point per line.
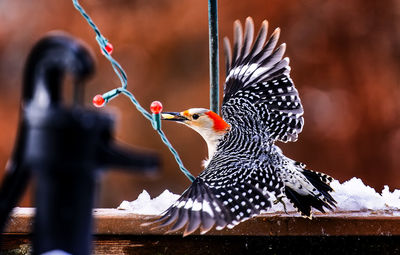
x=145, y=205
x=351, y=195
x=354, y=195
x=392, y=199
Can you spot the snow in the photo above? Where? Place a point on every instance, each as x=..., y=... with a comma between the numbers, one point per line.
x=391, y=198
x=351, y=195
x=145, y=205
x=354, y=195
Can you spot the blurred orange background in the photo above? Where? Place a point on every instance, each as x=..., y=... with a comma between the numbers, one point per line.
x=345, y=60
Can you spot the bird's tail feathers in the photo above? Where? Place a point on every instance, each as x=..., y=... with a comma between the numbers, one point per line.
x=313, y=191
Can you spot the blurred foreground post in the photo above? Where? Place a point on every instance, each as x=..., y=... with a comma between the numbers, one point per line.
x=62, y=148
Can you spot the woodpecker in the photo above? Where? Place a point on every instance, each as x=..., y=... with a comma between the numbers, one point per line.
x=246, y=172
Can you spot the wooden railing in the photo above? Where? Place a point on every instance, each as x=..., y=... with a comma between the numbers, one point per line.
x=121, y=232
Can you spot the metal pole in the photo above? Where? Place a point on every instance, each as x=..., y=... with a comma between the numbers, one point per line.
x=214, y=60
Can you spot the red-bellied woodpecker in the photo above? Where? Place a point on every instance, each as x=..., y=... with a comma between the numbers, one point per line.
x=246, y=172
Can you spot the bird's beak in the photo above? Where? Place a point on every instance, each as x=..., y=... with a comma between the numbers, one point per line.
x=175, y=116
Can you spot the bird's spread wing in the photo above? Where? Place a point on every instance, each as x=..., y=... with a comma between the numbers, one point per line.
x=230, y=190
x=258, y=84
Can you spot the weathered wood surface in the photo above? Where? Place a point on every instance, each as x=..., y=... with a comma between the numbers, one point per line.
x=200, y=245
x=120, y=222
x=121, y=232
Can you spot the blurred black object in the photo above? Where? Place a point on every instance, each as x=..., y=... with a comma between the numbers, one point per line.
x=61, y=147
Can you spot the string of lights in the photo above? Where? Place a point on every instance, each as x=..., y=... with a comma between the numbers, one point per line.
x=101, y=100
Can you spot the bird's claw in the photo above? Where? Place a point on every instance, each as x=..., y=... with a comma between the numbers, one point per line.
x=280, y=200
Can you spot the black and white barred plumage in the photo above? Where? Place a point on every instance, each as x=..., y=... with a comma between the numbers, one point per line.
x=260, y=77
x=248, y=171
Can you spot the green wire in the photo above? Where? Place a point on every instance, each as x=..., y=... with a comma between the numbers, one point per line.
x=102, y=41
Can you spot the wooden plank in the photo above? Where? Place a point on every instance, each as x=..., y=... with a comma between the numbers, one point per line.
x=119, y=222
x=200, y=245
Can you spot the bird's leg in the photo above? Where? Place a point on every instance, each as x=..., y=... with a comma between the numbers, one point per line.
x=280, y=200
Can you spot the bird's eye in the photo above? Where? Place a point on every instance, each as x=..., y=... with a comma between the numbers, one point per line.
x=195, y=116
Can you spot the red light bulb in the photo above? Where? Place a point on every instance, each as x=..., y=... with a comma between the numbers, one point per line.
x=156, y=107
x=98, y=101
x=109, y=48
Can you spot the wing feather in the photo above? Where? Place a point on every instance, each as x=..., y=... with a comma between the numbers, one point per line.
x=237, y=46
x=228, y=55
x=259, y=41
x=258, y=84
x=248, y=38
